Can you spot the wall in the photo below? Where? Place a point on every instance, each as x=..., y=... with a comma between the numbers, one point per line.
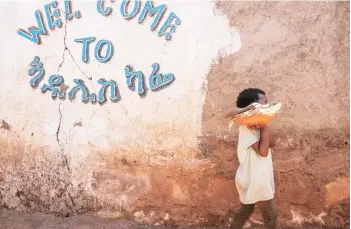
x=298, y=53
x=167, y=156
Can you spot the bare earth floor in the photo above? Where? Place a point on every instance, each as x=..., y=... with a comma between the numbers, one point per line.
x=17, y=220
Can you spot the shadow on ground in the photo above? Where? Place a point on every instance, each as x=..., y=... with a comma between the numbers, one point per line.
x=18, y=220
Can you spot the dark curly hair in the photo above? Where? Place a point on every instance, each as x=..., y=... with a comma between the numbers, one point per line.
x=248, y=96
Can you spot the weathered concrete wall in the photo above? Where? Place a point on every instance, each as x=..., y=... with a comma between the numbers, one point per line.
x=168, y=157
x=298, y=53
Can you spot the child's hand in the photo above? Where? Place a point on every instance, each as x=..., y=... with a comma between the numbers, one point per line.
x=252, y=106
x=256, y=126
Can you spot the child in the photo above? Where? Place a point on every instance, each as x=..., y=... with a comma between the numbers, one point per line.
x=254, y=178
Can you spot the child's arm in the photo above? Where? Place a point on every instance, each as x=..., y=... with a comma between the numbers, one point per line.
x=235, y=111
x=262, y=146
x=232, y=112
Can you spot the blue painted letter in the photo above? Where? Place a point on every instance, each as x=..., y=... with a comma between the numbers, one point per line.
x=161, y=80
x=68, y=10
x=85, y=51
x=109, y=51
x=149, y=8
x=124, y=10
x=54, y=80
x=100, y=6
x=50, y=15
x=131, y=75
x=79, y=86
x=37, y=67
x=102, y=91
x=34, y=32
x=167, y=24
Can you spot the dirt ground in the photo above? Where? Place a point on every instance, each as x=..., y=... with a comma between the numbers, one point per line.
x=18, y=220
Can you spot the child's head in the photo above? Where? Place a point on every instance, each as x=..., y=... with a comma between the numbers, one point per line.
x=249, y=96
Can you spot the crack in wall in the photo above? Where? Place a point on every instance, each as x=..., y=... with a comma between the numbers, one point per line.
x=69, y=52
x=65, y=160
x=59, y=125
x=64, y=50
x=58, y=128
x=58, y=140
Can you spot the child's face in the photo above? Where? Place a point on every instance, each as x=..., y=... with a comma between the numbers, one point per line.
x=262, y=99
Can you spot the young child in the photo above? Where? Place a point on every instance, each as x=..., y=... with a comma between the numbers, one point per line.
x=254, y=178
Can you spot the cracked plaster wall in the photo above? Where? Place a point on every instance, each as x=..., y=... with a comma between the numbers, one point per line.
x=120, y=152
x=169, y=158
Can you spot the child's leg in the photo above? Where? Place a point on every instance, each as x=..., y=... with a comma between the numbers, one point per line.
x=242, y=215
x=269, y=213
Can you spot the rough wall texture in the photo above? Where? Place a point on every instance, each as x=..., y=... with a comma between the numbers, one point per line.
x=169, y=157
x=298, y=53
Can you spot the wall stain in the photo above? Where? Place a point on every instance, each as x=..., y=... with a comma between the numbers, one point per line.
x=5, y=125
x=78, y=124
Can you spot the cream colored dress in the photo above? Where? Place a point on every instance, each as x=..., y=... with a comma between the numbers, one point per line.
x=254, y=178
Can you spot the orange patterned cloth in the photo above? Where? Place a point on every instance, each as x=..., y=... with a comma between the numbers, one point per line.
x=258, y=113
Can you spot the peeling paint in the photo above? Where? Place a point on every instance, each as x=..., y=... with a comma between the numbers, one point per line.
x=159, y=157
x=5, y=125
